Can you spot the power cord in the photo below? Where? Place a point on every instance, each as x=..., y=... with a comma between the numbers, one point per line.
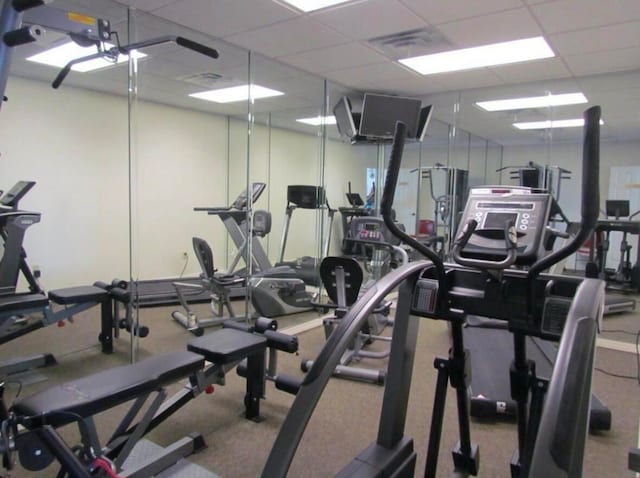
x=623, y=376
x=186, y=262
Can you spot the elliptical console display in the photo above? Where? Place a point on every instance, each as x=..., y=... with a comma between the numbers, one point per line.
x=493, y=208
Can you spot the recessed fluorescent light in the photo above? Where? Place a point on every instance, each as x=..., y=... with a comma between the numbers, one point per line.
x=236, y=93
x=568, y=123
x=318, y=120
x=476, y=57
x=61, y=55
x=311, y=5
x=533, y=102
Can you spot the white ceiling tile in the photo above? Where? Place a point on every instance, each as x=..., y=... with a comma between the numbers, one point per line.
x=332, y=58
x=611, y=82
x=370, y=19
x=287, y=38
x=417, y=86
x=602, y=62
x=462, y=80
x=224, y=17
x=504, y=26
x=378, y=71
x=146, y=5
x=568, y=15
x=439, y=11
x=611, y=37
x=547, y=69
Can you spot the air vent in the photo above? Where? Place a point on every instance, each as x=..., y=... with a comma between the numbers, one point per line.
x=207, y=78
x=411, y=43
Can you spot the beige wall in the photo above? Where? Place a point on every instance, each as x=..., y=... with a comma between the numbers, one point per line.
x=77, y=152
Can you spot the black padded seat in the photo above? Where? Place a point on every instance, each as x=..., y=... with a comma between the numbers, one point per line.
x=78, y=295
x=90, y=395
x=18, y=302
x=227, y=345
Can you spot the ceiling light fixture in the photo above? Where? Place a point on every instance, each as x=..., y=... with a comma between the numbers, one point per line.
x=477, y=57
x=61, y=55
x=311, y=5
x=236, y=93
x=567, y=123
x=533, y=102
x=318, y=120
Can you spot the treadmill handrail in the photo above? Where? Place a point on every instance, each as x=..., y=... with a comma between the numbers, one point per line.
x=212, y=210
x=561, y=439
x=315, y=381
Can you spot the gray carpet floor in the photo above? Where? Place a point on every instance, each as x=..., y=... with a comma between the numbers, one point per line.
x=346, y=418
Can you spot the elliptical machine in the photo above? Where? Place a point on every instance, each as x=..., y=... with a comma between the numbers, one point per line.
x=552, y=424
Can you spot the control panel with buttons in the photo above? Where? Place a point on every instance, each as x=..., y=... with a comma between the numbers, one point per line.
x=493, y=208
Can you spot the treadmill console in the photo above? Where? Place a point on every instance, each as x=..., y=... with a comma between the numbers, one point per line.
x=242, y=200
x=371, y=229
x=16, y=193
x=493, y=208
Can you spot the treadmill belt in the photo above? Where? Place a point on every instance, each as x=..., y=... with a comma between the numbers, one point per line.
x=161, y=292
x=491, y=356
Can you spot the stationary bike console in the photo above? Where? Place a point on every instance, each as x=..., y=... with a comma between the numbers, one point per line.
x=492, y=209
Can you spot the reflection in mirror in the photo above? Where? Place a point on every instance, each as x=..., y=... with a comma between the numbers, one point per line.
x=72, y=142
x=181, y=150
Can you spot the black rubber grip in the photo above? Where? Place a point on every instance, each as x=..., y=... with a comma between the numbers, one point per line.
x=61, y=76
x=288, y=383
x=22, y=5
x=200, y=48
x=23, y=35
x=591, y=166
x=393, y=170
x=466, y=233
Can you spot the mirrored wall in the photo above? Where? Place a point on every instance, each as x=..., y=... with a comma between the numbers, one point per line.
x=131, y=164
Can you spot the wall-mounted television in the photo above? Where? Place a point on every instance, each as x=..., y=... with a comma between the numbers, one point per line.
x=423, y=122
x=344, y=119
x=381, y=112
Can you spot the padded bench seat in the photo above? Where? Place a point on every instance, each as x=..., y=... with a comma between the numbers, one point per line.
x=227, y=345
x=90, y=395
x=22, y=302
x=78, y=295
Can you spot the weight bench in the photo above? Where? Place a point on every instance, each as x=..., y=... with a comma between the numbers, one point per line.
x=79, y=299
x=15, y=309
x=79, y=400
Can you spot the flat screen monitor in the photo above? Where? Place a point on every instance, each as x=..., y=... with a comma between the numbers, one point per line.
x=381, y=112
x=617, y=207
x=344, y=118
x=423, y=122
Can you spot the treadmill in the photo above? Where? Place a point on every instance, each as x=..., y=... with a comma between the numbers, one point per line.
x=161, y=292
x=490, y=390
x=490, y=366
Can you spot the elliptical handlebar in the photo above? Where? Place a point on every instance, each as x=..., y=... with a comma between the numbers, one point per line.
x=590, y=203
x=510, y=238
x=388, y=193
